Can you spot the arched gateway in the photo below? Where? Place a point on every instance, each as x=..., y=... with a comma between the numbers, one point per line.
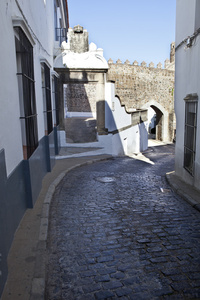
x=139, y=86
x=161, y=120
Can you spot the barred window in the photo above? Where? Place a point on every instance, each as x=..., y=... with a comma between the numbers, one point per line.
x=55, y=100
x=26, y=84
x=190, y=132
x=46, y=87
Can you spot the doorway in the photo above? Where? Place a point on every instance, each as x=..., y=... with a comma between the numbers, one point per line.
x=155, y=120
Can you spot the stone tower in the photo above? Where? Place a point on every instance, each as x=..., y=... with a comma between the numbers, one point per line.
x=78, y=39
x=172, y=52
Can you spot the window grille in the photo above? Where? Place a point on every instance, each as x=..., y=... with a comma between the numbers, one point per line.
x=190, y=133
x=61, y=35
x=26, y=83
x=46, y=86
x=55, y=98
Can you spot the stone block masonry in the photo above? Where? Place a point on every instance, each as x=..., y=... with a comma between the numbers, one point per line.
x=139, y=86
x=136, y=85
x=80, y=97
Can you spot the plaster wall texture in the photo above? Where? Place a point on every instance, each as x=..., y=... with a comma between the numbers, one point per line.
x=32, y=14
x=129, y=141
x=128, y=138
x=187, y=78
x=116, y=115
x=92, y=59
x=39, y=15
x=10, y=130
x=22, y=179
x=185, y=19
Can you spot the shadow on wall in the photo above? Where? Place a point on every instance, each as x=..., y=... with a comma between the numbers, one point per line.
x=128, y=130
x=143, y=136
x=114, y=128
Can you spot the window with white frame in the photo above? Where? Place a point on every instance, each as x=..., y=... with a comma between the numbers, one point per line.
x=190, y=132
x=26, y=86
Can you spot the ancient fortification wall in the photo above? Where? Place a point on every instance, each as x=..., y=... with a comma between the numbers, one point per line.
x=142, y=86
x=137, y=85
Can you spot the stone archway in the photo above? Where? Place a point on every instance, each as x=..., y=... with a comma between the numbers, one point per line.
x=159, y=123
x=162, y=120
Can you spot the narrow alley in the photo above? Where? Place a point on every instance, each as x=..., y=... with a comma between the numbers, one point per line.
x=118, y=231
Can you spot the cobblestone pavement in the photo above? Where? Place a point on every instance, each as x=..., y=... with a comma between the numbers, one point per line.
x=117, y=231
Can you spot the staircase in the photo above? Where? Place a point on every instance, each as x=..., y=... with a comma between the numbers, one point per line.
x=80, y=130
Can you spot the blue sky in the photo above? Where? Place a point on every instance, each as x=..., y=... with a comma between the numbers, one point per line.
x=139, y=30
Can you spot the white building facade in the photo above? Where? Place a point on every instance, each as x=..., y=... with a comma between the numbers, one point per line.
x=187, y=91
x=30, y=33
x=83, y=74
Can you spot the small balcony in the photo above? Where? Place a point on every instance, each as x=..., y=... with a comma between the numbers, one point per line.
x=60, y=35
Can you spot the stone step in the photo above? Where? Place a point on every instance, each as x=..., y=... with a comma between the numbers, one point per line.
x=80, y=130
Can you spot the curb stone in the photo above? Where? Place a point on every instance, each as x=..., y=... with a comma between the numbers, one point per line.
x=180, y=187
x=38, y=281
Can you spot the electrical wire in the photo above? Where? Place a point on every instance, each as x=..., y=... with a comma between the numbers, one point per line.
x=192, y=37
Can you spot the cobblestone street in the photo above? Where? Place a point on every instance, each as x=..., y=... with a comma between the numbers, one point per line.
x=118, y=231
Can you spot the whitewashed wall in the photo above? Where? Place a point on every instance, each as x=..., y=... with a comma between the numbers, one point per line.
x=128, y=140
x=10, y=129
x=41, y=27
x=132, y=139
x=187, y=78
x=185, y=19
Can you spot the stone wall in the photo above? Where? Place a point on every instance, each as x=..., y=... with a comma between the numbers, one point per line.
x=83, y=95
x=137, y=85
x=80, y=97
x=78, y=39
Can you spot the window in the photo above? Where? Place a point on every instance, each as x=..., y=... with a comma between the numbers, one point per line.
x=190, y=132
x=46, y=87
x=26, y=84
x=55, y=100
x=61, y=23
x=55, y=19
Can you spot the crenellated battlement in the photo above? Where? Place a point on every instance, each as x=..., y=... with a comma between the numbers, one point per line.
x=138, y=85
x=167, y=64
